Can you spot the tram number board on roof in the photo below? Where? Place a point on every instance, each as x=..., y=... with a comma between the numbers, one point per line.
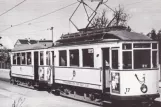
x=142, y=45
x=90, y=50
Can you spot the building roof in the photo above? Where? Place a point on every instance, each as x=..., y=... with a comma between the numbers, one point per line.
x=32, y=47
x=26, y=41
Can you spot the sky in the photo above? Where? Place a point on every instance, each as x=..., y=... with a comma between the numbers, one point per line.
x=145, y=15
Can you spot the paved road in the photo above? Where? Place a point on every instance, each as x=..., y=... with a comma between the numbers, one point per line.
x=33, y=98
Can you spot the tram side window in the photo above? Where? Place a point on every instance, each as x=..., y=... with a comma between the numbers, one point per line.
x=141, y=59
x=88, y=58
x=23, y=58
x=28, y=58
x=47, y=58
x=74, y=57
x=127, y=60
x=115, y=59
x=154, y=58
x=41, y=58
x=63, y=58
x=14, y=58
x=18, y=58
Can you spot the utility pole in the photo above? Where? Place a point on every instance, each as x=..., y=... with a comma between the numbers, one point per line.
x=52, y=33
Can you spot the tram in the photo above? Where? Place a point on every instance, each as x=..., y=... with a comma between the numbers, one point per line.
x=96, y=66
x=28, y=66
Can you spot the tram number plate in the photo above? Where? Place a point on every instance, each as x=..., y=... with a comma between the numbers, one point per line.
x=127, y=90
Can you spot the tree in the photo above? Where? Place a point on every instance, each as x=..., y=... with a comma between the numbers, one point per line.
x=153, y=34
x=120, y=19
x=100, y=21
x=4, y=55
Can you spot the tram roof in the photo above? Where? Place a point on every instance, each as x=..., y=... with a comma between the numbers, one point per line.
x=92, y=36
x=126, y=35
x=32, y=46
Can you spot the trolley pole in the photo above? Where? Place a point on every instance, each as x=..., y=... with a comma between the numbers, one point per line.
x=52, y=33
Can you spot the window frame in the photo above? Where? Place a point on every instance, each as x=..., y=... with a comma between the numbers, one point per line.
x=77, y=60
x=15, y=59
x=60, y=56
x=41, y=59
x=24, y=59
x=83, y=65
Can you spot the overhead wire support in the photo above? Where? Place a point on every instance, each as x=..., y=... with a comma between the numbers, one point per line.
x=38, y=17
x=12, y=8
x=93, y=14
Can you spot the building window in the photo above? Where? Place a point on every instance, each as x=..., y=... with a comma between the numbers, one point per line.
x=62, y=58
x=74, y=57
x=14, y=58
x=141, y=59
x=28, y=58
x=115, y=59
x=88, y=58
x=41, y=58
x=127, y=60
x=18, y=58
x=47, y=58
x=154, y=59
x=23, y=58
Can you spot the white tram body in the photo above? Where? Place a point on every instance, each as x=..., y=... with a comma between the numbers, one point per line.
x=27, y=62
x=120, y=64
x=132, y=58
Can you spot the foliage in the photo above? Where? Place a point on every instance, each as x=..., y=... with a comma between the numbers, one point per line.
x=18, y=103
x=120, y=19
x=4, y=55
x=100, y=21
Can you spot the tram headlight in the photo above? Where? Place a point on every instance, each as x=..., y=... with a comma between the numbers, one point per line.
x=144, y=88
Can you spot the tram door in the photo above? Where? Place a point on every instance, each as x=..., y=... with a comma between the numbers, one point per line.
x=106, y=69
x=36, y=60
x=53, y=66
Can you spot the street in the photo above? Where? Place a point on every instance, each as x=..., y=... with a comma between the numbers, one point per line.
x=18, y=95
x=33, y=98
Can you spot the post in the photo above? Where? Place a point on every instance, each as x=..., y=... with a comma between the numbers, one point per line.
x=52, y=32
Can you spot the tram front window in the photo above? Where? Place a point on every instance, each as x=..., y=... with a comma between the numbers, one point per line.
x=141, y=59
x=127, y=62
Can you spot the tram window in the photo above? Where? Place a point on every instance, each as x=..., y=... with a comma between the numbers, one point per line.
x=47, y=58
x=23, y=58
x=115, y=59
x=127, y=60
x=88, y=58
x=18, y=58
x=127, y=46
x=74, y=57
x=28, y=58
x=41, y=58
x=14, y=58
x=154, y=58
x=141, y=59
x=154, y=45
x=63, y=58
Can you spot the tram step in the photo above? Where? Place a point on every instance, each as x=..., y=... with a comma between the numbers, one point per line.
x=107, y=102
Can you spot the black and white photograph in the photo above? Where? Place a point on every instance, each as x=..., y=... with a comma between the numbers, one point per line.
x=80, y=53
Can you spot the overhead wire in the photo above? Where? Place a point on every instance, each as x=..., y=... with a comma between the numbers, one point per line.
x=38, y=17
x=12, y=8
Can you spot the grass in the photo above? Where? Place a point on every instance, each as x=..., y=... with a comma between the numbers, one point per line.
x=19, y=102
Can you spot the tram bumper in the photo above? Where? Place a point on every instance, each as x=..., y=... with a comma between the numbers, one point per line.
x=136, y=98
